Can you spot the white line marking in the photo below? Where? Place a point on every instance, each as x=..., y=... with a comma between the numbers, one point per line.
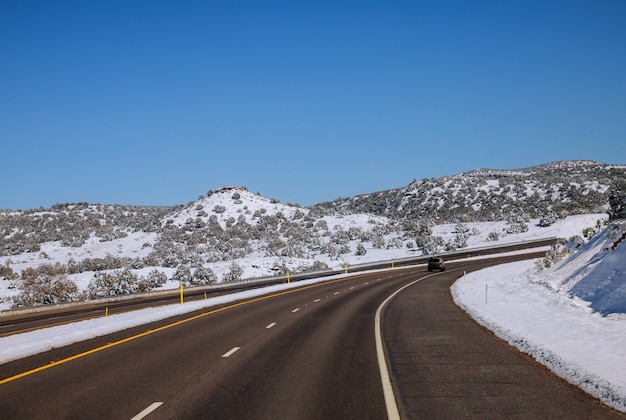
x=317, y=300
x=336, y=293
x=270, y=325
x=147, y=410
x=352, y=288
x=390, y=399
x=231, y=352
x=296, y=310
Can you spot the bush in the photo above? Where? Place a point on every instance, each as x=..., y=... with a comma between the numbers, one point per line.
x=183, y=275
x=203, y=276
x=122, y=282
x=555, y=254
x=156, y=279
x=39, y=288
x=7, y=272
x=234, y=274
x=493, y=236
x=219, y=209
x=549, y=219
x=516, y=224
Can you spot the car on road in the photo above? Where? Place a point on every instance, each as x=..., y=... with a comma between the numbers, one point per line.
x=436, y=263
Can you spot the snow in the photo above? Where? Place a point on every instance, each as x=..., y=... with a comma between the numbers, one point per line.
x=571, y=317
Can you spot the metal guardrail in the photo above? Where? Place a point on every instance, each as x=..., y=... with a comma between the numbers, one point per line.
x=404, y=260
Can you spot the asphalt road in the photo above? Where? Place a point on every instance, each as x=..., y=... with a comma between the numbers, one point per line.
x=305, y=354
x=447, y=366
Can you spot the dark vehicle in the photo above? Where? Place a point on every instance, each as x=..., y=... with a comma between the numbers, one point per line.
x=436, y=263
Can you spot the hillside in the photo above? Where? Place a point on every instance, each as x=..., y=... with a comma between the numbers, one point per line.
x=556, y=189
x=90, y=251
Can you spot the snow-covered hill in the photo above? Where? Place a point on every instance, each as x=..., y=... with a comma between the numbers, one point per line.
x=82, y=251
x=559, y=188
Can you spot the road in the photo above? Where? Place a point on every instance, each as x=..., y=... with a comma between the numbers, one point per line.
x=447, y=366
x=304, y=354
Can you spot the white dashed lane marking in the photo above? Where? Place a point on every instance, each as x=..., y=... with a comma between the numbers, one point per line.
x=147, y=410
x=231, y=352
x=296, y=310
x=270, y=325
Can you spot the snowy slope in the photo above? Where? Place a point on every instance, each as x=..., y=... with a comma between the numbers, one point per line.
x=571, y=317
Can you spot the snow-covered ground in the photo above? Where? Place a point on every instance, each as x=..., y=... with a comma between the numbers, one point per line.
x=570, y=317
x=139, y=244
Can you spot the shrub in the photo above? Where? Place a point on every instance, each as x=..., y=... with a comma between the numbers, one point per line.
x=203, y=276
x=183, y=275
x=493, y=236
x=39, y=288
x=556, y=253
x=7, y=272
x=234, y=274
x=122, y=282
x=549, y=219
x=156, y=279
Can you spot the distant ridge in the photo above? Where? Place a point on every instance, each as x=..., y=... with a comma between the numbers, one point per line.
x=563, y=188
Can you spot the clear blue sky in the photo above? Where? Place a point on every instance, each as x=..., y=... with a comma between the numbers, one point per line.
x=156, y=102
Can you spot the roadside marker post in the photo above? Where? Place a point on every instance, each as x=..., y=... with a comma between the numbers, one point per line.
x=486, y=290
x=181, y=293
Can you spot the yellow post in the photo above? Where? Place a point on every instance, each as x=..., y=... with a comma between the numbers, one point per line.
x=106, y=311
x=288, y=277
x=346, y=268
x=393, y=265
x=181, y=293
x=204, y=295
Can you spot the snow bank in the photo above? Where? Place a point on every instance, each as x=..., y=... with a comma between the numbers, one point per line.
x=569, y=318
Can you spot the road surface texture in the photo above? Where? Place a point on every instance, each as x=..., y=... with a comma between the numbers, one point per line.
x=303, y=354
x=446, y=366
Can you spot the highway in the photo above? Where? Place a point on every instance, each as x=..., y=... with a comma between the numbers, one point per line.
x=307, y=353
